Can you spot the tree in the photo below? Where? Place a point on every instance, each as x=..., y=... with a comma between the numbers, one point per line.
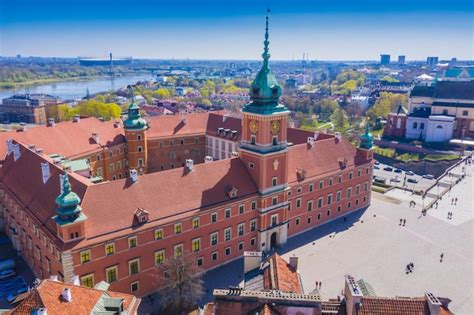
x=162, y=93
x=183, y=285
x=354, y=110
x=387, y=103
x=325, y=108
x=339, y=119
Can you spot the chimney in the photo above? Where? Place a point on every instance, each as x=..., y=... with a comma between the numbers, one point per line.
x=45, y=172
x=23, y=127
x=252, y=261
x=190, y=164
x=54, y=278
x=76, y=118
x=95, y=137
x=51, y=122
x=40, y=311
x=134, y=175
x=352, y=294
x=208, y=159
x=316, y=135
x=16, y=151
x=75, y=280
x=184, y=121
x=32, y=147
x=433, y=303
x=310, y=141
x=39, y=151
x=224, y=117
x=9, y=146
x=294, y=262
x=66, y=295
x=338, y=136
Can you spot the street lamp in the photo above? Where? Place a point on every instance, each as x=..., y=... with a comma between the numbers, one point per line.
x=463, y=130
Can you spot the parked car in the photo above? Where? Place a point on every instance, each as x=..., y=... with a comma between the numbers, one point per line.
x=5, y=274
x=397, y=170
x=410, y=173
x=428, y=176
x=412, y=180
x=388, y=169
x=377, y=162
x=395, y=179
x=376, y=167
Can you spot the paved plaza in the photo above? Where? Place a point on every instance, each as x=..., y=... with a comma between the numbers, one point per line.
x=373, y=246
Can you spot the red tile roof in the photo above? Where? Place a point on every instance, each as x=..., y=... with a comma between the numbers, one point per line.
x=48, y=295
x=67, y=138
x=324, y=157
x=177, y=125
x=110, y=205
x=281, y=276
x=216, y=120
x=371, y=305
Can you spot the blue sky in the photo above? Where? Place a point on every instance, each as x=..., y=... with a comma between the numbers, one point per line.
x=211, y=29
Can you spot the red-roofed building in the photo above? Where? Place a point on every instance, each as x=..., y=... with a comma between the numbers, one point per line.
x=158, y=199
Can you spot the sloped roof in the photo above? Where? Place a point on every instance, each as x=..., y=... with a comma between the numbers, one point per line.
x=393, y=306
x=176, y=125
x=324, y=157
x=48, y=295
x=279, y=275
x=422, y=91
x=454, y=90
x=69, y=138
x=110, y=205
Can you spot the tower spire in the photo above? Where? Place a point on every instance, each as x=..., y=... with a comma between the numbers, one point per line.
x=266, y=42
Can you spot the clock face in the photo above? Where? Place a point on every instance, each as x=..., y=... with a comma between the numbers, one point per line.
x=253, y=126
x=275, y=127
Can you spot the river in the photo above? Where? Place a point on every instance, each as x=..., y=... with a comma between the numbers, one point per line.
x=78, y=88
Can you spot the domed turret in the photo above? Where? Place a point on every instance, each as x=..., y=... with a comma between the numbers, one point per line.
x=366, y=140
x=134, y=120
x=68, y=204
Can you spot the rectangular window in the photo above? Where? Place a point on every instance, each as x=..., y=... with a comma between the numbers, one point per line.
x=227, y=234
x=350, y=175
x=252, y=241
x=241, y=229
x=349, y=192
x=308, y=220
x=253, y=225
x=297, y=221
x=119, y=165
x=227, y=251
x=330, y=182
x=274, y=200
x=200, y=261
x=214, y=217
x=178, y=250
x=214, y=239
x=134, y=286
x=111, y=274
x=158, y=234
x=348, y=205
x=196, y=244
x=132, y=242
x=366, y=186
x=227, y=213
x=319, y=216
x=177, y=228
x=357, y=189
x=299, y=190
x=465, y=113
x=338, y=208
x=214, y=256
x=274, y=219
x=241, y=209
x=338, y=195
x=359, y=172
x=311, y=187
x=254, y=205
x=159, y=257
x=195, y=223
x=109, y=249
x=320, y=202
x=274, y=181
x=134, y=266
x=241, y=246
x=321, y=184
x=329, y=212
x=329, y=199
x=309, y=205
x=85, y=256
x=339, y=179
x=88, y=280
x=298, y=203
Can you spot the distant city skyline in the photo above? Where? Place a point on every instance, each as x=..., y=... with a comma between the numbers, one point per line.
x=321, y=29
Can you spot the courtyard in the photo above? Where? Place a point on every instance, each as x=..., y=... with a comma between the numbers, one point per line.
x=372, y=245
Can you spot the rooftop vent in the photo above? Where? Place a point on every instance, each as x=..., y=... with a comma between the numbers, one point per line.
x=9, y=146
x=39, y=151
x=51, y=122
x=338, y=136
x=16, y=151
x=32, y=147
x=66, y=295
x=23, y=127
x=235, y=154
x=310, y=141
x=76, y=118
x=208, y=159
x=190, y=164
x=67, y=168
x=54, y=278
x=133, y=175
x=433, y=303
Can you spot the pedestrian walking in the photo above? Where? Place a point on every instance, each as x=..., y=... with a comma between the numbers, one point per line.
x=401, y=220
x=441, y=257
x=404, y=222
x=455, y=201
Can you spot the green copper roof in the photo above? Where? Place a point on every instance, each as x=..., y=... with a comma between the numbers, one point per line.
x=134, y=120
x=366, y=140
x=68, y=209
x=265, y=90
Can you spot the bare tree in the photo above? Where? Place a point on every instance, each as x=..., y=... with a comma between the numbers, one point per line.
x=182, y=285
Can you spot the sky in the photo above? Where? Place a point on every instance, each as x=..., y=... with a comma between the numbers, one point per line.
x=234, y=29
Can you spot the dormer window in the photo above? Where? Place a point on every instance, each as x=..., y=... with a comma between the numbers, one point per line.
x=255, y=90
x=232, y=191
x=141, y=215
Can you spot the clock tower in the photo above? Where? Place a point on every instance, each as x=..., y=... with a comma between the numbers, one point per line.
x=264, y=151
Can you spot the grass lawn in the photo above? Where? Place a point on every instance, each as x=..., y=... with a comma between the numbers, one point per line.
x=441, y=157
x=385, y=152
x=406, y=157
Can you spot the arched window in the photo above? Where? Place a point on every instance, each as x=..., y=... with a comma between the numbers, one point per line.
x=172, y=155
x=439, y=127
x=399, y=123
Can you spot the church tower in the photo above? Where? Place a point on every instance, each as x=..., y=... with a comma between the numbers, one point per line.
x=135, y=134
x=264, y=151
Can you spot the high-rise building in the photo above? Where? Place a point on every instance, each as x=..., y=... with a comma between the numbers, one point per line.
x=384, y=59
x=431, y=61
x=401, y=60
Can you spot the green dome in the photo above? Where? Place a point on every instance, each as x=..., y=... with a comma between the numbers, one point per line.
x=366, y=140
x=265, y=91
x=134, y=120
x=68, y=209
x=68, y=198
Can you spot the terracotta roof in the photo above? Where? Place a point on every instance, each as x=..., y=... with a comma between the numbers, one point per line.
x=67, y=138
x=24, y=179
x=216, y=120
x=325, y=157
x=281, y=276
x=381, y=305
x=48, y=295
x=110, y=206
x=298, y=136
x=177, y=125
